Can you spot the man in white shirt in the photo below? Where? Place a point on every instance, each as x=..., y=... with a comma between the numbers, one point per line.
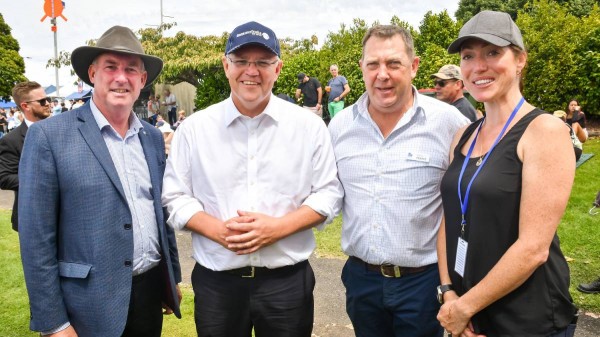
x=171, y=106
x=242, y=177
x=392, y=150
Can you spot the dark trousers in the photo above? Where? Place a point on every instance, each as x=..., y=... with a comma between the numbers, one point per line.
x=381, y=306
x=145, y=317
x=275, y=302
x=172, y=115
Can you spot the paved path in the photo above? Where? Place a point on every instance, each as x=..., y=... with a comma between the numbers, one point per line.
x=330, y=314
x=331, y=319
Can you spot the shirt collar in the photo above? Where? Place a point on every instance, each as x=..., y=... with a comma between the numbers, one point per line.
x=232, y=113
x=135, y=125
x=363, y=106
x=27, y=121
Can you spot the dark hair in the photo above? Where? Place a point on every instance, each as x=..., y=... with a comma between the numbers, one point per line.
x=20, y=91
x=573, y=99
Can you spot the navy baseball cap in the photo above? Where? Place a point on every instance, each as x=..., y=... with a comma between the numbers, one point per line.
x=252, y=33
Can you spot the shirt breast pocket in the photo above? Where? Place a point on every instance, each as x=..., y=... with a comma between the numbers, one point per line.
x=419, y=173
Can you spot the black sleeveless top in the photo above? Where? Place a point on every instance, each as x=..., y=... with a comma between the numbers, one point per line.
x=542, y=304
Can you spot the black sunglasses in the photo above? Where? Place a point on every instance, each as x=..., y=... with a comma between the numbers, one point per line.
x=442, y=83
x=42, y=101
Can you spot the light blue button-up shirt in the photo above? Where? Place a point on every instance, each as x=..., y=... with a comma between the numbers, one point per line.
x=129, y=160
x=392, y=207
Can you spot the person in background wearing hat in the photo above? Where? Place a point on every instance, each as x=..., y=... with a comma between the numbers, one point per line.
x=31, y=99
x=243, y=179
x=98, y=257
x=501, y=268
x=311, y=89
x=391, y=148
x=337, y=89
x=449, y=88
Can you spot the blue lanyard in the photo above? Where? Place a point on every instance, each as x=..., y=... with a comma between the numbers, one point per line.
x=464, y=204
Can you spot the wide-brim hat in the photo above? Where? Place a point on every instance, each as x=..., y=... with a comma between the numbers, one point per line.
x=496, y=28
x=117, y=39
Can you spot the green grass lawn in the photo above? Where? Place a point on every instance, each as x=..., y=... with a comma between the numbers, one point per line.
x=579, y=233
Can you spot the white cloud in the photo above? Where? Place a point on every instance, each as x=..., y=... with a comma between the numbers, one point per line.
x=88, y=19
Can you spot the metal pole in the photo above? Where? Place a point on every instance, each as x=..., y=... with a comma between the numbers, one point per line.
x=56, y=60
x=161, y=13
x=54, y=29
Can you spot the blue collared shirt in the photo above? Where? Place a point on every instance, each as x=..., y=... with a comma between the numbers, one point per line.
x=129, y=160
x=392, y=206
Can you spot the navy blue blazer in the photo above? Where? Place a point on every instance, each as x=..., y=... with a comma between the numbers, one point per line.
x=75, y=226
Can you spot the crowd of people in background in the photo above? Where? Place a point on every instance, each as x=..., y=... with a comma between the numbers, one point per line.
x=449, y=215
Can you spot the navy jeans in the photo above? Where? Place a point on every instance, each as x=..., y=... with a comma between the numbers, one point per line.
x=569, y=331
x=380, y=306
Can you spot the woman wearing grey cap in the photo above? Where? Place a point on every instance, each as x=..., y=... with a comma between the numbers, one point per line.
x=501, y=267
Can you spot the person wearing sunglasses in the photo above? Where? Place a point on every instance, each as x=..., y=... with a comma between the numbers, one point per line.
x=449, y=88
x=31, y=99
x=250, y=177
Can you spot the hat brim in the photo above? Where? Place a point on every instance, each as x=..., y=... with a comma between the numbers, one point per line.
x=82, y=58
x=252, y=43
x=493, y=39
x=443, y=76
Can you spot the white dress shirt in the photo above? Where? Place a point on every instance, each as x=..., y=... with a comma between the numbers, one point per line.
x=222, y=161
x=392, y=205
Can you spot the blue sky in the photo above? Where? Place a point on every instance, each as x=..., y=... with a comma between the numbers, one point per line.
x=88, y=19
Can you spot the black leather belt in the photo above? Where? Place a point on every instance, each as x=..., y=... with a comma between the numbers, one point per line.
x=389, y=270
x=251, y=272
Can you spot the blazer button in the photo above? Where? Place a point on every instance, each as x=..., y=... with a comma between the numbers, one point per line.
x=127, y=263
x=127, y=226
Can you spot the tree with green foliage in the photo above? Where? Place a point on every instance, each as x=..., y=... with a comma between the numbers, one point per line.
x=564, y=56
x=12, y=65
x=435, y=34
x=196, y=60
x=468, y=8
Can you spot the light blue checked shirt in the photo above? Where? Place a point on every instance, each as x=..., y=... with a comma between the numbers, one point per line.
x=129, y=160
x=392, y=206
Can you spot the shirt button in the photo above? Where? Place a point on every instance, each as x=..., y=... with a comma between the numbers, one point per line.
x=251, y=157
x=127, y=226
x=141, y=226
x=127, y=263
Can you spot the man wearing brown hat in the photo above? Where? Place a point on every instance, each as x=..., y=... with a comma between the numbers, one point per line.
x=97, y=255
x=449, y=88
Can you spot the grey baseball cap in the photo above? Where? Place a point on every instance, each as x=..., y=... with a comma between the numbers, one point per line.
x=497, y=28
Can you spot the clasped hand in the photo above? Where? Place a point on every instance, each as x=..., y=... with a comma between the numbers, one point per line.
x=249, y=231
x=455, y=321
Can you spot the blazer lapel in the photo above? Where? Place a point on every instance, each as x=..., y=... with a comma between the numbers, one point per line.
x=152, y=160
x=91, y=134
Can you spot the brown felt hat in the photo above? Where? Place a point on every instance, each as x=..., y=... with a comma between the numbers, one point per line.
x=117, y=39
